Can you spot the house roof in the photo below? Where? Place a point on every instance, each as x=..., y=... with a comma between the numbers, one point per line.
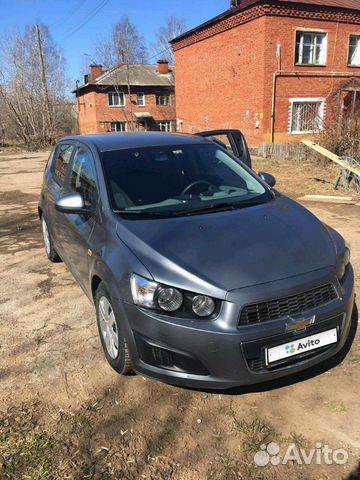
x=245, y=4
x=347, y=4
x=139, y=75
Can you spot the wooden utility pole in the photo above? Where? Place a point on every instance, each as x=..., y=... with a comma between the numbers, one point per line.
x=132, y=121
x=50, y=124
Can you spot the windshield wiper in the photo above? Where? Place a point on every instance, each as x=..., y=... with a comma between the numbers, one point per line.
x=214, y=207
x=218, y=207
x=144, y=212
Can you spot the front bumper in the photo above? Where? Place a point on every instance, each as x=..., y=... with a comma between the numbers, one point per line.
x=220, y=354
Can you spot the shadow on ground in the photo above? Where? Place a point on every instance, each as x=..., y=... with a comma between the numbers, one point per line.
x=19, y=226
x=355, y=475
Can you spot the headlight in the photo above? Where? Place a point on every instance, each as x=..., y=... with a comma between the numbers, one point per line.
x=143, y=291
x=345, y=260
x=347, y=256
x=149, y=294
x=169, y=299
x=203, y=306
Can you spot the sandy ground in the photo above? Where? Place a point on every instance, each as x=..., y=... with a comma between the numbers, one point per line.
x=84, y=421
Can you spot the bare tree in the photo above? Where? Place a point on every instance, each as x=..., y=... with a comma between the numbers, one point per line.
x=173, y=28
x=32, y=84
x=125, y=46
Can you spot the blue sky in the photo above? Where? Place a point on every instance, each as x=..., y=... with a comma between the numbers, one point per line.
x=76, y=24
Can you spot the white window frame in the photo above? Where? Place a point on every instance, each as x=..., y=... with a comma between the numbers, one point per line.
x=121, y=95
x=322, y=112
x=163, y=95
x=119, y=131
x=350, y=64
x=143, y=96
x=298, y=61
x=167, y=124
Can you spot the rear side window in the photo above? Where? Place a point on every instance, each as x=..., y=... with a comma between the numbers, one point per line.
x=62, y=159
x=83, y=177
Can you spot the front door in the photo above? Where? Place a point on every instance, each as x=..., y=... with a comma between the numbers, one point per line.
x=57, y=187
x=79, y=228
x=233, y=140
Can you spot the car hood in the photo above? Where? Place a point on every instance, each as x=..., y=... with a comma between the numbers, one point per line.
x=222, y=251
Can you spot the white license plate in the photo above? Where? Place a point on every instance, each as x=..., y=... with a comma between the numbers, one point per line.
x=306, y=344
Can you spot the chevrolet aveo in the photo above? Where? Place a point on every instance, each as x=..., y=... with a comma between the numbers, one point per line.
x=201, y=273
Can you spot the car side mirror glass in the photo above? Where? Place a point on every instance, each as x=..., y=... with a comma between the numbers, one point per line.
x=71, y=203
x=268, y=178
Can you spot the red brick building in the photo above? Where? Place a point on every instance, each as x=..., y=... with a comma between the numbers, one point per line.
x=275, y=69
x=127, y=98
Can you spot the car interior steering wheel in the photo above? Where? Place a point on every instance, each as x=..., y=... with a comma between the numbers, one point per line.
x=198, y=182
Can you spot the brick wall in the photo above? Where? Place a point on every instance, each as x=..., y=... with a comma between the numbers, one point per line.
x=95, y=114
x=225, y=73
x=87, y=113
x=283, y=30
x=219, y=82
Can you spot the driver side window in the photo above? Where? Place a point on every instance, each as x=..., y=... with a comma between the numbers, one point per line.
x=83, y=177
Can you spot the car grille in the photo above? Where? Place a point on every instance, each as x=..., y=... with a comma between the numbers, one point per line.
x=283, y=307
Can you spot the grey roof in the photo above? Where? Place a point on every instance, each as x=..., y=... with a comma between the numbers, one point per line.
x=139, y=75
x=105, y=142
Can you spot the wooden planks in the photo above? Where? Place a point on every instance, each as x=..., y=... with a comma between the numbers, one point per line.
x=331, y=156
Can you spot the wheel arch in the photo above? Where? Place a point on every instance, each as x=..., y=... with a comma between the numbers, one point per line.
x=95, y=282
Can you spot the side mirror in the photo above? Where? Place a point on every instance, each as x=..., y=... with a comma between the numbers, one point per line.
x=71, y=203
x=268, y=178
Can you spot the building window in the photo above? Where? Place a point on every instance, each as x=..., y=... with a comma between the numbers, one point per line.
x=164, y=126
x=141, y=99
x=118, y=126
x=311, y=48
x=116, y=99
x=307, y=115
x=142, y=126
x=163, y=100
x=354, y=50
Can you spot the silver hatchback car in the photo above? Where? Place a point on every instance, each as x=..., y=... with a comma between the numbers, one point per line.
x=202, y=274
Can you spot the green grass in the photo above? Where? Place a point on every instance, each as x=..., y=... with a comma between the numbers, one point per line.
x=299, y=440
x=26, y=458
x=257, y=431
x=336, y=406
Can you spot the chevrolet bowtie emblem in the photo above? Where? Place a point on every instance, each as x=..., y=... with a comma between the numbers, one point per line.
x=299, y=325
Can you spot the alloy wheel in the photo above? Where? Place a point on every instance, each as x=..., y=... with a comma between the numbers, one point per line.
x=108, y=327
x=46, y=237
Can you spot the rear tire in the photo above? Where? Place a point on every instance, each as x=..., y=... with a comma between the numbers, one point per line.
x=111, y=333
x=48, y=243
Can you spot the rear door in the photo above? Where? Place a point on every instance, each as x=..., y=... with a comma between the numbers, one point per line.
x=233, y=140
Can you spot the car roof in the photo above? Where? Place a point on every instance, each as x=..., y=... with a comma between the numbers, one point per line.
x=119, y=141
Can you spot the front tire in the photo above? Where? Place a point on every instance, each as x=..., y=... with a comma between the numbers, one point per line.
x=48, y=243
x=110, y=331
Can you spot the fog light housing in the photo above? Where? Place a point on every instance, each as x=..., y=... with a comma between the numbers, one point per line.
x=169, y=299
x=203, y=306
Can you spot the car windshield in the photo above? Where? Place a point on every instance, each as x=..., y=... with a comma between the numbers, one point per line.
x=179, y=180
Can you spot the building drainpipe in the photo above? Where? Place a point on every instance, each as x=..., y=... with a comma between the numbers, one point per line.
x=280, y=73
x=78, y=104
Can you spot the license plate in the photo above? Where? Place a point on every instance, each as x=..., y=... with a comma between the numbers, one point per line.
x=306, y=344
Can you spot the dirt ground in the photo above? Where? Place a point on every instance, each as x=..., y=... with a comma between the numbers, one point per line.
x=64, y=413
x=310, y=176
